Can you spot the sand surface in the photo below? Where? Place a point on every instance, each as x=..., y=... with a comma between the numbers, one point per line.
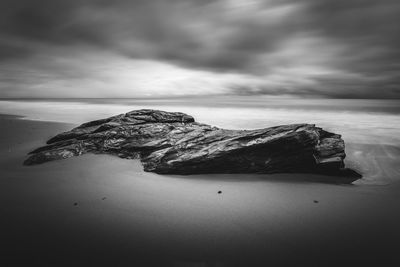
x=99, y=209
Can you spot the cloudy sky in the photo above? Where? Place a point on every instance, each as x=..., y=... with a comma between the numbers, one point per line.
x=153, y=48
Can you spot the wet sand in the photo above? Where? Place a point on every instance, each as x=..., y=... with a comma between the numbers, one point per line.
x=100, y=209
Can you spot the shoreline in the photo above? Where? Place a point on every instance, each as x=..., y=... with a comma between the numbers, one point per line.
x=364, y=158
x=125, y=215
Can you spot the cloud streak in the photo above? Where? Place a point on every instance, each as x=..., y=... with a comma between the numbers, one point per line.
x=327, y=48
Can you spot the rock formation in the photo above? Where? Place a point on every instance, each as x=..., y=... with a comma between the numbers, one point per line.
x=172, y=142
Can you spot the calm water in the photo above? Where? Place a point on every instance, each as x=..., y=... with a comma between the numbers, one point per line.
x=370, y=128
x=159, y=217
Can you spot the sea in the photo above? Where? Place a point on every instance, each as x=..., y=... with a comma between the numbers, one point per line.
x=100, y=209
x=369, y=127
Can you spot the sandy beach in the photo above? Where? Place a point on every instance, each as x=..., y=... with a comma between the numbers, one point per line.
x=224, y=91
x=100, y=209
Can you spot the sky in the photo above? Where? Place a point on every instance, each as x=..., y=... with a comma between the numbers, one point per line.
x=159, y=48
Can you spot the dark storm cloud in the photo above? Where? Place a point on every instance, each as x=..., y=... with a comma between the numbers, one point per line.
x=166, y=29
x=355, y=37
x=12, y=51
x=52, y=22
x=370, y=29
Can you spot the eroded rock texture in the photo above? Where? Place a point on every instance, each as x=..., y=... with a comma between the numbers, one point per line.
x=172, y=142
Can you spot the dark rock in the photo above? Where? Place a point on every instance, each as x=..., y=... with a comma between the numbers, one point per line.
x=172, y=142
x=219, y=192
x=75, y=204
x=316, y=201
